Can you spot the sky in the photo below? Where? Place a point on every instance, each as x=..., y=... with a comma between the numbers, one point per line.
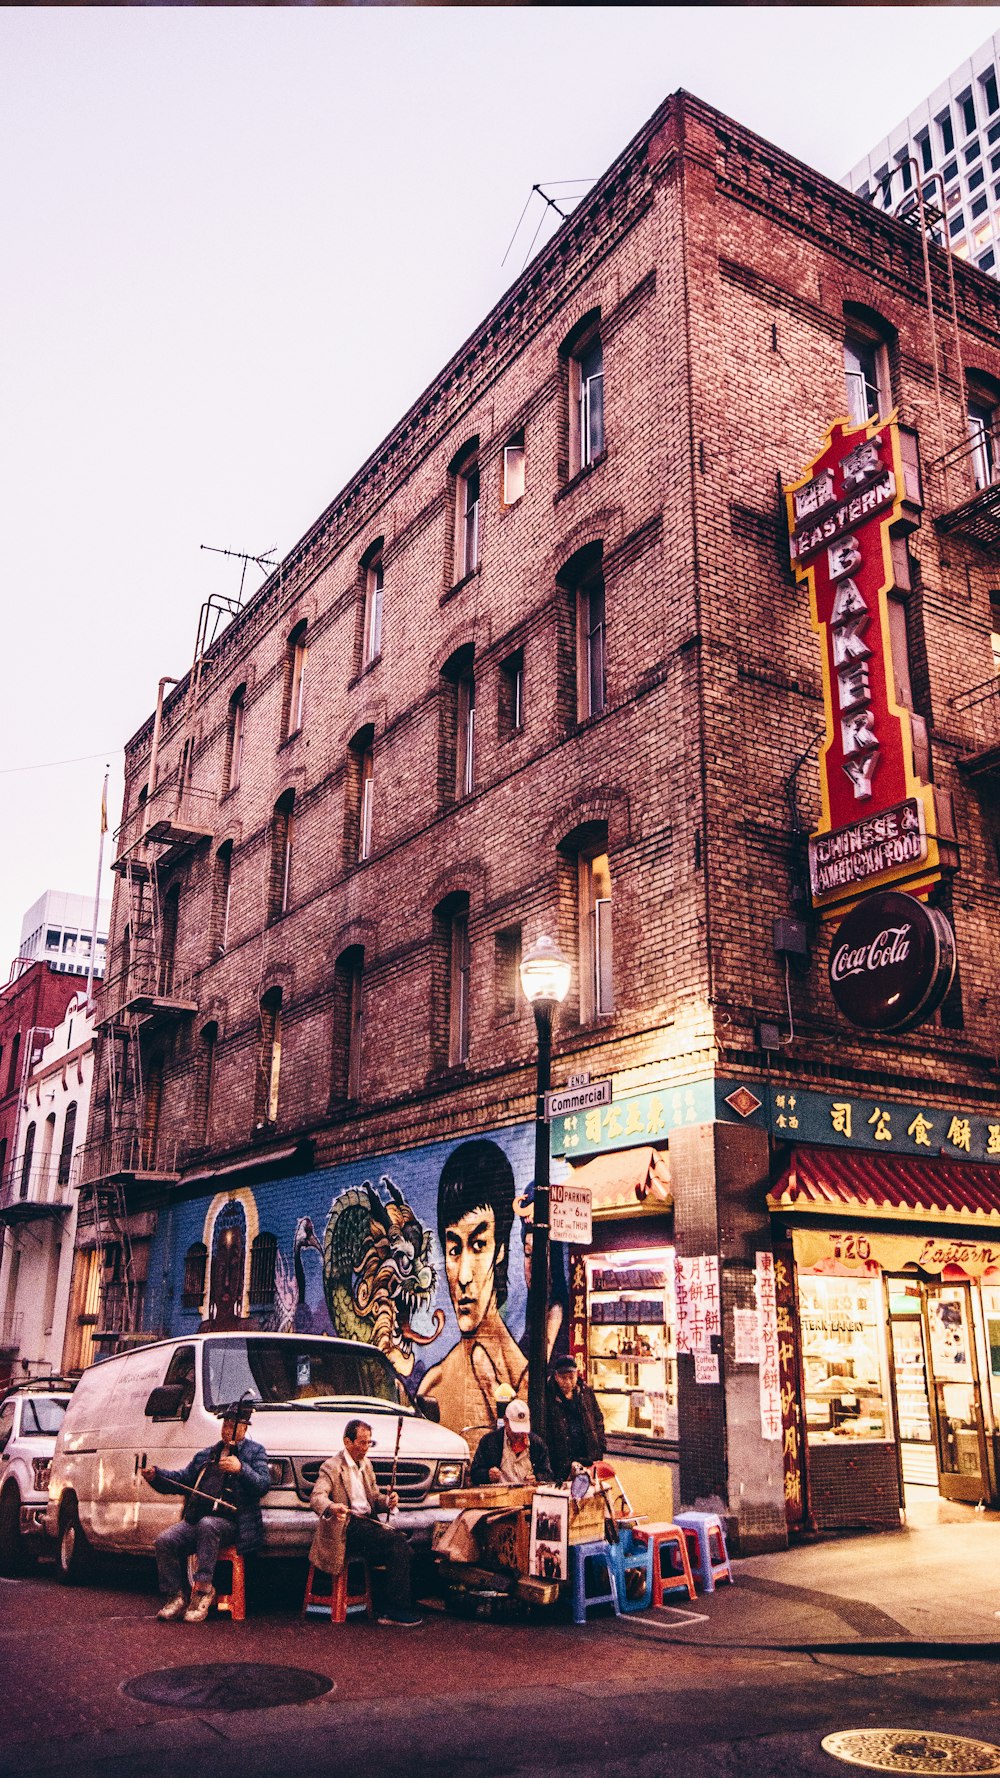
x=238, y=244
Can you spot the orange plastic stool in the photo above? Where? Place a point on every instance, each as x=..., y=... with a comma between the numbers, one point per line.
x=235, y=1601
x=668, y=1541
x=340, y=1599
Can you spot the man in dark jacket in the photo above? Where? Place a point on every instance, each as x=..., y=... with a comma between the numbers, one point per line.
x=513, y=1454
x=223, y=1485
x=574, y=1422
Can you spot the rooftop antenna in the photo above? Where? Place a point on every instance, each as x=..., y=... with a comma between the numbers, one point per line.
x=572, y=197
x=264, y=562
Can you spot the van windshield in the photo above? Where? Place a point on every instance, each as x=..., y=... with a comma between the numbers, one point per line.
x=282, y=1372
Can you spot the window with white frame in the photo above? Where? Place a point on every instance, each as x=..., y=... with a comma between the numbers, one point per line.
x=374, y=583
x=596, y=964
x=513, y=469
x=295, y=670
x=866, y=373
x=234, y=738
x=587, y=397
x=458, y=1024
x=982, y=438
x=591, y=662
x=268, y=1058
x=468, y=520
x=465, y=745
x=367, y=768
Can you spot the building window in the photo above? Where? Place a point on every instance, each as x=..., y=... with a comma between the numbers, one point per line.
x=995, y=629
x=45, y=1162
x=594, y=900
x=982, y=439
x=457, y=730
x=967, y=107
x=374, y=582
x=465, y=469
x=66, y=1148
x=263, y=1265
x=586, y=402
x=510, y=709
x=268, y=1059
x=282, y=840
x=27, y=1157
x=234, y=739
x=513, y=469
x=987, y=260
x=971, y=154
x=169, y=921
x=506, y=965
x=905, y=165
x=348, y=1001
x=206, y=1079
x=222, y=896
x=946, y=132
x=975, y=180
x=988, y=82
x=450, y=983
x=957, y=224
x=845, y=1363
x=458, y=1028
x=923, y=143
x=296, y=652
x=195, y=1266
x=12, y=1071
x=867, y=374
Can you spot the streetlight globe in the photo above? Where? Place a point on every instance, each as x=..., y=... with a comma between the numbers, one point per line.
x=544, y=972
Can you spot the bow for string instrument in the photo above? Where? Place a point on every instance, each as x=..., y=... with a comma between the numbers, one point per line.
x=395, y=1464
x=219, y=1485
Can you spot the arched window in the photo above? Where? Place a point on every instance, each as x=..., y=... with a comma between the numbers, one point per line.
x=348, y=987
x=45, y=1158
x=583, y=354
x=66, y=1148
x=583, y=579
x=27, y=1157
x=282, y=839
x=296, y=651
x=234, y=739
x=450, y=982
x=263, y=1261
x=359, y=796
x=589, y=888
x=169, y=920
x=457, y=737
x=268, y=1060
x=981, y=409
x=866, y=367
x=464, y=470
x=222, y=888
x=206, y=1079
x=193, y=1287
x=373, y=576
x=15, y=1053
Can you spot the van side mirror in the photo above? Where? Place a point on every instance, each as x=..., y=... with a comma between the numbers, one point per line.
x=431, y=1409
x=171, y=1401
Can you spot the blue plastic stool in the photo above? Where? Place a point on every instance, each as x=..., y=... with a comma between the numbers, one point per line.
x=704, y=1529
x=579, y=1555
x=628, y=1555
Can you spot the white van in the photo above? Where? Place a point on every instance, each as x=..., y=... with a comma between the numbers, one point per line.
x=159, y=1404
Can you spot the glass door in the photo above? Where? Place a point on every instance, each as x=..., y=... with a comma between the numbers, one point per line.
x=917, y=1446
x=954, y=1379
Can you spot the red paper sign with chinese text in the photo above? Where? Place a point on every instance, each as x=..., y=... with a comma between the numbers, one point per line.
x=878, y=822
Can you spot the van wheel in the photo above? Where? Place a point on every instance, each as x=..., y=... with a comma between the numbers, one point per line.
x=75, y=1556
x=12, y=1552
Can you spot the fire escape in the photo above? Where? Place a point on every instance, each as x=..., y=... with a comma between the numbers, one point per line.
x=140, y=999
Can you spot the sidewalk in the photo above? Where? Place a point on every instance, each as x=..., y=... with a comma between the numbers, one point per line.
x=936, y=1581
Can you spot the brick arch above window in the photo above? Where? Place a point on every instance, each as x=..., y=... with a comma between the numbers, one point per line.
x=588, y=323
x=605, y=806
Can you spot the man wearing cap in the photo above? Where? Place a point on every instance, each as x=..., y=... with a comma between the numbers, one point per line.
x=513, y=1454
x=573, y=1419
x=223, y=1485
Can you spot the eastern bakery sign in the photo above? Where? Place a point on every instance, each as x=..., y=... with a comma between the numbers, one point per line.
x=877, y=824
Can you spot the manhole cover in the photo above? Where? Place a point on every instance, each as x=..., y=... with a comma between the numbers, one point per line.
x=912, y=1750
x=231, y=1685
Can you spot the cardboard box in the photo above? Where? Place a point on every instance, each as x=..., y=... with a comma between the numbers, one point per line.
x=586, y=1519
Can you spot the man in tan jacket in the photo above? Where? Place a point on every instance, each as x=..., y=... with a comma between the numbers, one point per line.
x=345, y=1499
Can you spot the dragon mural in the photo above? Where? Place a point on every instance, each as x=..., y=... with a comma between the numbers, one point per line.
x=377, y=1272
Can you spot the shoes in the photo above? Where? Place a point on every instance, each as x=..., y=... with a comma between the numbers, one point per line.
x=402, y=1620
x=199, y=1607
x=174, y=1608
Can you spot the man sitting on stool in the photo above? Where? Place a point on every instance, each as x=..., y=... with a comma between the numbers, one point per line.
x=223, y=1485
x=346, y=1497
x=513, y=1454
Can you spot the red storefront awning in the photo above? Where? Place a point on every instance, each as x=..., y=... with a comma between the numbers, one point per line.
x=632, y=1180
x=833, y=1181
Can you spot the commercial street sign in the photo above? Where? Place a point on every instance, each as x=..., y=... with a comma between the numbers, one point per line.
x=577, y=1099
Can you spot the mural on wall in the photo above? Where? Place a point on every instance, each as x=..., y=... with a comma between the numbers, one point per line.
x=431, y=1265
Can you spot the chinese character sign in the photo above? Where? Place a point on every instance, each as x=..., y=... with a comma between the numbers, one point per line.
x=839, y=517
x=770, y=1376
x=697, y=1303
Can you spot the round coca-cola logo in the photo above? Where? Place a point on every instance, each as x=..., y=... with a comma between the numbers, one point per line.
x=892, y=962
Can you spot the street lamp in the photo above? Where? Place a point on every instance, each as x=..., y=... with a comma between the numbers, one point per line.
x=545, y=982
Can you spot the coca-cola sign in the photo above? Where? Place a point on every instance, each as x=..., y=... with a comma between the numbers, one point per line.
x=892, y=962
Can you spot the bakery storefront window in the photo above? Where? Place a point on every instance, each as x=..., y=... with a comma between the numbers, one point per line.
x=844, y=1360
x=631, y=1352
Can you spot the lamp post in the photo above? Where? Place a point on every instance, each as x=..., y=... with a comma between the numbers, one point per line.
x=545, y=981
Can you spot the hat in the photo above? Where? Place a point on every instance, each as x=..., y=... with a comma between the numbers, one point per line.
x=564, y=1364
x=239, y=1412
x=517, y=1417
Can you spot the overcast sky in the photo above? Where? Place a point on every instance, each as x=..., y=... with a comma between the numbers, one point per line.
x=238, y=244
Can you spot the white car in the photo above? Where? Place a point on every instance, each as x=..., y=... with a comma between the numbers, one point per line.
x=30, y=1418
x=160, y=1404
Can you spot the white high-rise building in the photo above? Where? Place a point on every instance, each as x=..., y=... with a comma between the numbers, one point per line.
x=59, y=929
x=954, y=133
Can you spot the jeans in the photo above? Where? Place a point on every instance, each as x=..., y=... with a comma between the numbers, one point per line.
x=178, y=1542
x=387, y=1549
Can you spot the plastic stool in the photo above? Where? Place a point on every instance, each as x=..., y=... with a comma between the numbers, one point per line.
x=579, y=1555
x=632, y=1555
x=235, y=1601
x=340, y=1599
x=708, y=1535
x=671, y=1566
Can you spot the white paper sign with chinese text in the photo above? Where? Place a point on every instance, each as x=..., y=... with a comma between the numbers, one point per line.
x=746, y=1336
x=697, y=1295
x=767, y=1321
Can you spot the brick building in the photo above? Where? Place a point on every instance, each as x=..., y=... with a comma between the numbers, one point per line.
x=544, y=666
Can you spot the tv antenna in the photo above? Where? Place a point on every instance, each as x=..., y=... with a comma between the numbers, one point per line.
x=578, y=189
x=265, y=562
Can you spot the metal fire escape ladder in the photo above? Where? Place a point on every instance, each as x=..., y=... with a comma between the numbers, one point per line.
x=931, y=217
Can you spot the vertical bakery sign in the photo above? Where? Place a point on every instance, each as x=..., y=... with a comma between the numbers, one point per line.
x=878, y=822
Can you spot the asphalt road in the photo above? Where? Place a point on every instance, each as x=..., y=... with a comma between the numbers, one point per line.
x=662, y=1692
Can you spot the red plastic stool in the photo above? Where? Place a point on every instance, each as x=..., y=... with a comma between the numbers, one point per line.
x=340, y=1599
x=668, y=1542
x=235, y=1600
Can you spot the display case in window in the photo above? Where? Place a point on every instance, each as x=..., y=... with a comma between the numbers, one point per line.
x=844, y=1360
x=631, y=1349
